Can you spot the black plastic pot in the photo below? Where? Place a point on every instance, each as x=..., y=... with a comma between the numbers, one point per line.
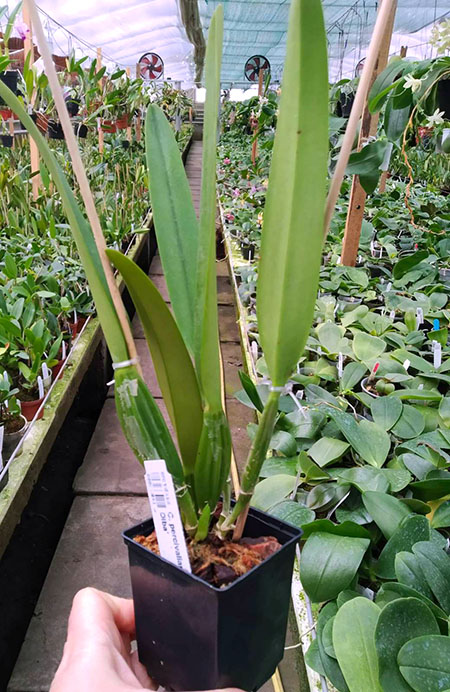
x=344, y=105
x=80, y=130
x=194, y=636
x=443, y=97
x=125, y=144
x=73, y=106
x=6, y=141
x=248, y=250
x=9, y=78
x=55, y=130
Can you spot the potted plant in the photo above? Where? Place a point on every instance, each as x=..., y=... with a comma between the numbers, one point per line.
x=240, y=604
x=13, y=422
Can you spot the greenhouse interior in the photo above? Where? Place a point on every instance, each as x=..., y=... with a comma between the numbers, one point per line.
x=224, y=345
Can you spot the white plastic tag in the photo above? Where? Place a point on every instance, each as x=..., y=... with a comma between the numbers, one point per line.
x=75, y=317
x=2, y=431
x=45, y=371
x=166, y=515
x=63, y=350
x=437, y=354
x=340, y=367
x=406, y=364
x=40, y=387
x=389, y=286
x=419, y=317
x=254, y=348
x=392, y=314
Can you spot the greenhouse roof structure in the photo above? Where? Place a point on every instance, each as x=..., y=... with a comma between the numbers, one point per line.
x=171, y=28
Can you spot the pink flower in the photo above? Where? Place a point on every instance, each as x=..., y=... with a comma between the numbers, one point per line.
x=236, y=192
x=229, y=217
x=227, y=161
x=21, y=29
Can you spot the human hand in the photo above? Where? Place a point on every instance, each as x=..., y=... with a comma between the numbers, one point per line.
x=97, y=654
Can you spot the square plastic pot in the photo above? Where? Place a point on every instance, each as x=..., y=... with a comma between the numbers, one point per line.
x=194, y=636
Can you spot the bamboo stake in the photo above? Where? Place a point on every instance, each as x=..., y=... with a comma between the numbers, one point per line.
x=80, y=174
x=101, y=134
x=129, y=135
x=34, y=152
x=138, y=117
x=369, y=127
x=260, y=92
x=381, y=24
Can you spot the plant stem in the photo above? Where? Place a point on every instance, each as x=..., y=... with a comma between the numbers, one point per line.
x=255, y=459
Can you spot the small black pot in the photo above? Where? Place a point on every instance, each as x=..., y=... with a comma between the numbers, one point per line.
x=6, y=141
x=248, y=250
x=443, y=97
x=194, y=636
x=73, y=107
x=125, y=144
x=9, y=78
x=344, y=105
x=55, y=130
x=80, y=130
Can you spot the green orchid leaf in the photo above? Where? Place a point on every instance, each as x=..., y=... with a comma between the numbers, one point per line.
x=293, y=513
x=329, y=664
x=368, y=439
x=367, y=347
x=170, y=357
x=354, y=644
x=273, y=490
x=386, y=511
x=327, y=449
x=292, y=235
x=399, y=622
x=174, y=218
x=329, y=564
x=407, y=263
x=435, y=565
x=412, y=529
x=386, y=411
x=424, y=662
x=441, y=517
x=409, y=572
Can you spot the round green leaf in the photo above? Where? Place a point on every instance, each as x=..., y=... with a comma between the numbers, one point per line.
x=410, y=424
x=425, y=663
x=441, y=517
x=293, y=513
x=386, y=411
x=354, y=644
x=386, y=511
x=273, y=490
x=411, y=530
x=400, y=621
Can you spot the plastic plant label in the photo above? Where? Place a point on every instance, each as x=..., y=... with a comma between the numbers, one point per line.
x=45, y=371
x=340, y=367
x=392, y=314
x=2, y=431
x=166, y=515
x=63, y=350
x=436, y=325
x=75, y=317
x=437, y=354
x=254, y=348
x=389, y=286
x=419, y=317
x=406, y=364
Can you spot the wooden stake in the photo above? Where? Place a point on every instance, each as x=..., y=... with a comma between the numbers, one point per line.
x=81, y=177
x=387, y=10
x=28, y=49
x=369, y=126
x=129, y=134
x=138, y=117
x=101, y=135
x=260, y=93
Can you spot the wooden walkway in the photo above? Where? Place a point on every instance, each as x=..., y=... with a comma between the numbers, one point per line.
x=110, y=493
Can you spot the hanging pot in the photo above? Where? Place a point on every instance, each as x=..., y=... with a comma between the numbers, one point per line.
x=443, y=97
x=9, y=79
x=55, y=130
x=108, y=126
x=6, y=141
x=80, y=130
x=194, y=636
x=123, y=122
x=73, y=106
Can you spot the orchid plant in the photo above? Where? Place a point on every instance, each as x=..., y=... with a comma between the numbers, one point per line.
x=185, y=347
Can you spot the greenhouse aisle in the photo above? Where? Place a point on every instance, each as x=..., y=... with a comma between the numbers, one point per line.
x=110, y=494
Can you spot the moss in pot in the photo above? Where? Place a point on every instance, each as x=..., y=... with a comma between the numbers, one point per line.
x=211, y=635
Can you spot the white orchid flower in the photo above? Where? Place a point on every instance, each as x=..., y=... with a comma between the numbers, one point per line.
x=412, y=83
x=435, y=119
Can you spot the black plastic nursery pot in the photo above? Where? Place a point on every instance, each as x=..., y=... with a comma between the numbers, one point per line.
x=194, y=636
x=80, y=130
x=55, y=130
x=6, y=141
x=9, y=78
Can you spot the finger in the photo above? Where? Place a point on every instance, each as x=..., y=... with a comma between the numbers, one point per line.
x=96, y=615
x=141, y=673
